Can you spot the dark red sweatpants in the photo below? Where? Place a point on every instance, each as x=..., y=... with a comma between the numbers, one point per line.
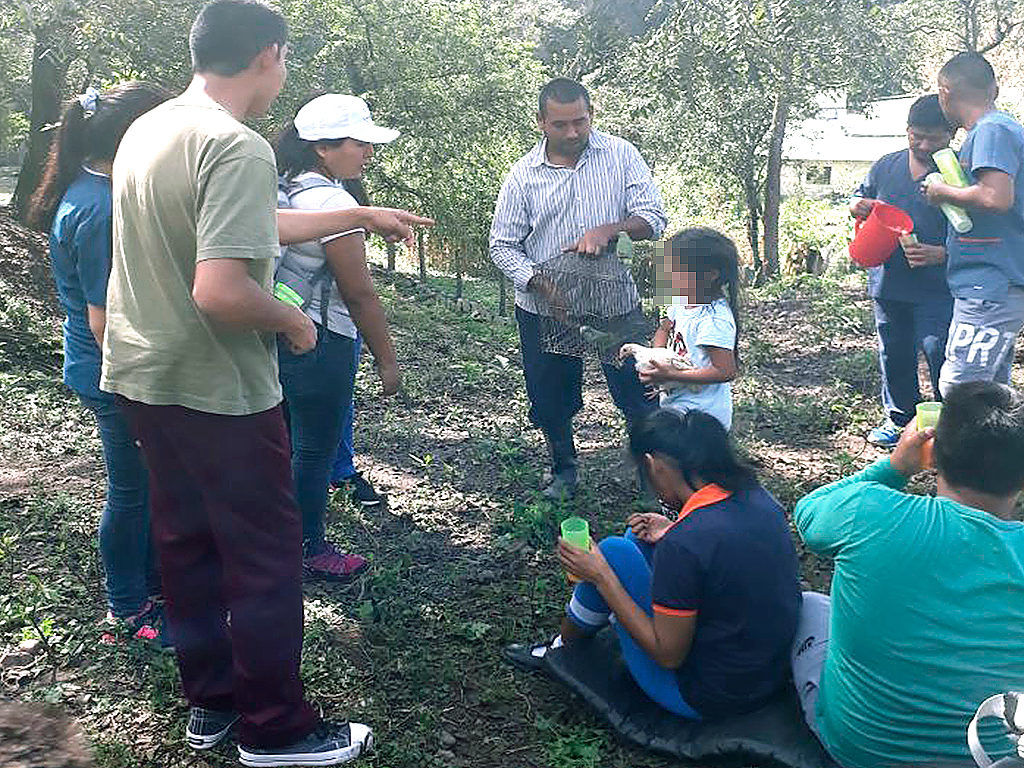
x=229, y=536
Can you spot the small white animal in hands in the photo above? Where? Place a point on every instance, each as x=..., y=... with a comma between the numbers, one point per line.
x=647, y=357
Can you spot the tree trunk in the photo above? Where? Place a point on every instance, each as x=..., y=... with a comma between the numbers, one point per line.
x=49, y=68
x=773, y=188
x=460, y=258
x=421, y=253
x=392, y=252
x=753, y=202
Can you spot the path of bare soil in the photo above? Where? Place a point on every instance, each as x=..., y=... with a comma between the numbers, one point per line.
x=461, y=557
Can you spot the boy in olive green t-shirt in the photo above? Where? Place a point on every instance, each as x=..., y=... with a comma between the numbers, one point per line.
x=927, y=605
x=190, y=352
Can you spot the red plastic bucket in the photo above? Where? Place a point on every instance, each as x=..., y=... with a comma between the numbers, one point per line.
x=876, y=237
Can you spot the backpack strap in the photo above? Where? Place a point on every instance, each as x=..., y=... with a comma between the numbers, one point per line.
x=322, y=276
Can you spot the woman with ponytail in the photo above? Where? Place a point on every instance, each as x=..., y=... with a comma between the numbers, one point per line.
x=73, y=202
x=705, y=603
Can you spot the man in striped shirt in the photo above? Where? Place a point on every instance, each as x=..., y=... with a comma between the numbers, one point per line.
x=575, y=191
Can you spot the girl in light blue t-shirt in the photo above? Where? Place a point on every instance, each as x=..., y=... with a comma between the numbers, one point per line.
x=700, y=325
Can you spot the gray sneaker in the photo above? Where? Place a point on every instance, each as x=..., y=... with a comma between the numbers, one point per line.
x=561, y=485
x=329, y=744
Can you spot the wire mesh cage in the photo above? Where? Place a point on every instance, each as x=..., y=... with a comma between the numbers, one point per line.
x=591, y=306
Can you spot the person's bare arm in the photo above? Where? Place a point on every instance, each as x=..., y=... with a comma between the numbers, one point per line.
x=97, y=322
x=346, y=256
x=224, y=291
x=993, y=192
x=394, y=225
x=660, y=338
x=722, y=369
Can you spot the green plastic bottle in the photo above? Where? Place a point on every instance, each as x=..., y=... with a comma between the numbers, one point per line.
x=951, y=172
x=957, y=216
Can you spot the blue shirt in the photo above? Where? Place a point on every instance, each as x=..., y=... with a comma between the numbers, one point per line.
x=890, y=181
x=80, y=249
x=543, y=207
x=729, y=560
x=986, y=261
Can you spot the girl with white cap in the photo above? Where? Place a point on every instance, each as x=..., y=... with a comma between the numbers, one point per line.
x=329, y=142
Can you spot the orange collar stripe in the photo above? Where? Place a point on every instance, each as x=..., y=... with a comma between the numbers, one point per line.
x=673, y=611
x=705, y=497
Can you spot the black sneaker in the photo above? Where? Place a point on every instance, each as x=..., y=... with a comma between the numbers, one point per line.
x=362, y=492
x=207, y=727
x=329, y=744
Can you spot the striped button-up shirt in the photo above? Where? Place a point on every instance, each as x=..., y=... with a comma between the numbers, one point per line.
x=542, y=208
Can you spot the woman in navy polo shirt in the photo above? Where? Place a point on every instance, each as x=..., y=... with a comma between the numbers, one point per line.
x=74, y=203
x=705, y=605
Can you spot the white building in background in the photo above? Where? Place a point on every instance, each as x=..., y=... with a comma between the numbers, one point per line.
x=830, y=153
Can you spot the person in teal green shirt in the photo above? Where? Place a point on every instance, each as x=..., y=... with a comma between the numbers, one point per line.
x=927, y=606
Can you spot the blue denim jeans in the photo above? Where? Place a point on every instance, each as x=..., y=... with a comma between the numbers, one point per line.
x=317, y=390
x=631, y=560
x=344, y=463
x=554, y=383
x=903, y=328
x=126, y=547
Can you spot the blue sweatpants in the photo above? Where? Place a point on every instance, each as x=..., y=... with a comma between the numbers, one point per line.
x=631, y=560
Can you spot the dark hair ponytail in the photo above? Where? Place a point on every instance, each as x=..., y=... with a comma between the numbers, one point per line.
x=295, y=155
x=82, y=137
x=696, y=443
x=702, y=249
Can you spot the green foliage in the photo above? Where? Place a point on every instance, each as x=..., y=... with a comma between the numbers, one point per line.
x=571, y=746
x=535, y=522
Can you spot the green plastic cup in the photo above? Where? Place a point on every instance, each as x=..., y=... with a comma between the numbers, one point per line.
x=576, y=531
x=928, y=415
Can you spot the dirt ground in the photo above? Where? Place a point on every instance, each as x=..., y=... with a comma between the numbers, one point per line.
x=461, y=557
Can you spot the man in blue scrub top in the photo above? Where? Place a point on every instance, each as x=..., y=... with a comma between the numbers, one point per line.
x=912, y=303
x=986, y=264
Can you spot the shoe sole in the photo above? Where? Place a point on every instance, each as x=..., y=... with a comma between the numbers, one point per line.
x=196, y=741
x=310, y=575
x=334, y=757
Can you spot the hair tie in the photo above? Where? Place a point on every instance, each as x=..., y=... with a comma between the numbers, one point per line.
x=89, y=100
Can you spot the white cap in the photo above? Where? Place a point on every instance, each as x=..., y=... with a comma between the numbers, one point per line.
x=339, y=116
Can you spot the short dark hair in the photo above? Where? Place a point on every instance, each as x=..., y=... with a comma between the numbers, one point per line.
x=564, y=91
x=696, y=443
x=969, y=70
x=228, y=34
x=979, y=440
x=926, y=113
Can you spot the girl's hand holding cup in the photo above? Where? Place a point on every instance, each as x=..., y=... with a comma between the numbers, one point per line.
x=578, y=554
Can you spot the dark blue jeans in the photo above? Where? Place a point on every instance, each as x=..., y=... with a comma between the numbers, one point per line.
x=125, y=543
x=554, y=383
x=903, y=328
x=317, y=390
x=344, y=463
